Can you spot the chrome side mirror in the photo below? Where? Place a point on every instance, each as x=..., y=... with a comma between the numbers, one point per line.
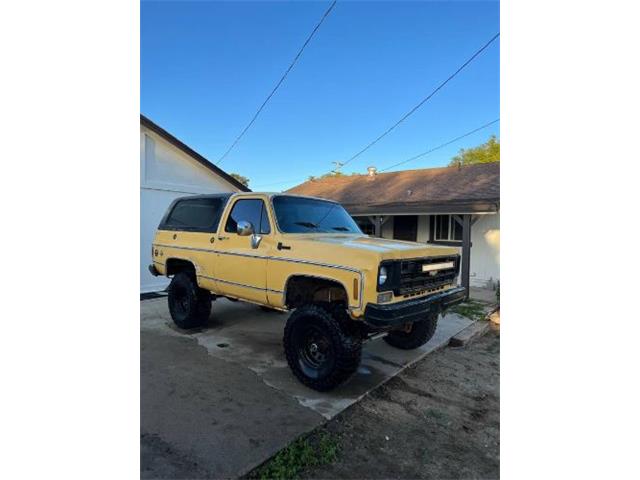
x=244, y=228
x=255, y=240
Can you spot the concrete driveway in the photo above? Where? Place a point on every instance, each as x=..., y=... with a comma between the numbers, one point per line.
x=218, y=401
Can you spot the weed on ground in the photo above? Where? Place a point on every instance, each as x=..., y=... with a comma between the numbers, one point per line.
x=471, y=309
x=313, y=450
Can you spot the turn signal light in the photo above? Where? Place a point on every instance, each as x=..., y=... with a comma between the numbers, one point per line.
x=385, y=297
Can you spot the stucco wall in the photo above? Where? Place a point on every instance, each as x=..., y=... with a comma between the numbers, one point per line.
x=387, y=228
x=166, y=173
x=485, y=252
x=423, y=229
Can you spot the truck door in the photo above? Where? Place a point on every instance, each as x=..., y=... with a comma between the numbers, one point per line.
x=241, y=269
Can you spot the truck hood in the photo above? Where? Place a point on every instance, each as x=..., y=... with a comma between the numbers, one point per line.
x=381, y=248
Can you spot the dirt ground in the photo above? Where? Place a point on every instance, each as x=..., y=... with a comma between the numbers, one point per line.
x=438, y=419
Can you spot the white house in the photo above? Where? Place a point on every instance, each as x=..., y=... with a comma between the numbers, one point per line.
x=170, y=169
x=430, y=205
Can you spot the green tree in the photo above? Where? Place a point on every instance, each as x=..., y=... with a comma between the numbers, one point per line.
x=242, y=179
x=486, y=153
x=331, y=174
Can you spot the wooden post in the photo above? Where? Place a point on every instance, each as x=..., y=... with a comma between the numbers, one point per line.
x=466, y=252
x=378, y=221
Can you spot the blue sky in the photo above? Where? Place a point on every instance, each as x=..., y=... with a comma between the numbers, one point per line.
x=207, y=66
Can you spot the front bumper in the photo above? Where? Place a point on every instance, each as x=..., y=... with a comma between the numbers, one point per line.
x=395, y=314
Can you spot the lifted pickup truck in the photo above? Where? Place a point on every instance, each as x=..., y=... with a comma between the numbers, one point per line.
x=287, y=252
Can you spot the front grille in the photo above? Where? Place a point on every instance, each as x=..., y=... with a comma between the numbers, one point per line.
x=413, y=279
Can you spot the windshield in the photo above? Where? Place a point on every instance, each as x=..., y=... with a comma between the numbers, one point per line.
x=306, y=215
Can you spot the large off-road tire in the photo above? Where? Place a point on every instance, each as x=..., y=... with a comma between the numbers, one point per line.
x=318, y=348
x=190, y=306
x=420, y=333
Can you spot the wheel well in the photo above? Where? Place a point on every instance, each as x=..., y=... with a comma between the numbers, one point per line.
x=301, y=290
x=177, y=265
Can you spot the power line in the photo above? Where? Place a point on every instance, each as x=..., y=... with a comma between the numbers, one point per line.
x=442, y=145
x=277, y=84
x=423, y=101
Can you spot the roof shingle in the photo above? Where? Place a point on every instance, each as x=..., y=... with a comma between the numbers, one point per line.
x=469, y=185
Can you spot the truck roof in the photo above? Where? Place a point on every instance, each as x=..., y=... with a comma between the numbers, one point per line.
x=227, y=195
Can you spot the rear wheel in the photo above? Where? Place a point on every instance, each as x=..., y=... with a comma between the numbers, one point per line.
x=319, y=351
x=189, y=305
x=416, y=335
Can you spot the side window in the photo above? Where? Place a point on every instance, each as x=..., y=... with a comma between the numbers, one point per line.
x=200, y=214
x=249, y=210
x=442, y=227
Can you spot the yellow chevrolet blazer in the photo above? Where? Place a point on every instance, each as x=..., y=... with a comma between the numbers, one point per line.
x=304, y=254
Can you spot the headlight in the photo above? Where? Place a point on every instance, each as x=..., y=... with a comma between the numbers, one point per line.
x=382, y=276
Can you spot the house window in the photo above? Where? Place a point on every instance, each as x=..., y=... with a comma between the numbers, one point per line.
x=447, y=228
x=366, y=225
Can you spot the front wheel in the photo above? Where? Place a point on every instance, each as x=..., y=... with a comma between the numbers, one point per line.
x=416, y=335
x=319, y=351
x=189, y=305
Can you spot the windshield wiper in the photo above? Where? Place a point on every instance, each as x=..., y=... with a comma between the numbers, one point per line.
x=306, y=224
x=341, y=229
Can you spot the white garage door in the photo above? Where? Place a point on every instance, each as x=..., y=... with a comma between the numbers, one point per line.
x=153, y=204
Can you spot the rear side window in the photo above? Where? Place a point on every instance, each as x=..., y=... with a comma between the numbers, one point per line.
x=249, y=210
x=198, y=214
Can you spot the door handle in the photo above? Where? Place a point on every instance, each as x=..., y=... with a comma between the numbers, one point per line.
x=281, y=246
x=223, y=238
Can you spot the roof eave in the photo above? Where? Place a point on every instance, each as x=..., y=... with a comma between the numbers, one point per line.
x=192, y=153
x=465, y=206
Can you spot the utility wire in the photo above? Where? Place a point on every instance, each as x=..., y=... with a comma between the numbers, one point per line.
x=423, y=101
x=441, y=145
x=277, y=84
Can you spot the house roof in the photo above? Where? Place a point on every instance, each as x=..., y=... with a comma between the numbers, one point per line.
x=192, y=153
x=468, y=189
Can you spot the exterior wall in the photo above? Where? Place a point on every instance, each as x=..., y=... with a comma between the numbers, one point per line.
x=387, y=228
x=166, y=173
x=485, y=252
x=423, y=228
